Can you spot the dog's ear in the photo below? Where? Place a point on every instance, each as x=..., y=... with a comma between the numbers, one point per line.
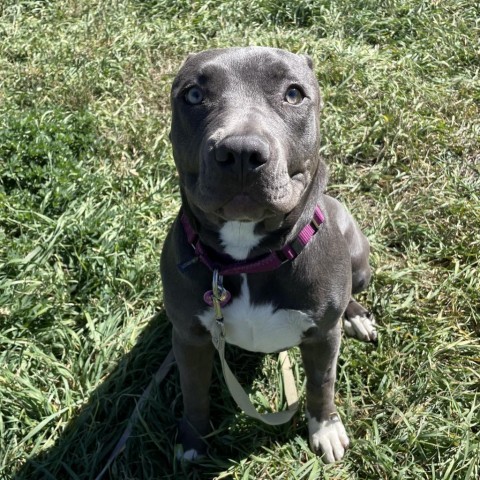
x=308, y=59
x=188, y=58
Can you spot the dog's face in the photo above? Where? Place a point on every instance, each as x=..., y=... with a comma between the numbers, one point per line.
x=245, y=145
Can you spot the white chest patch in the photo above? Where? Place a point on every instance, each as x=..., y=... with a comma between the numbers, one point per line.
x=238, y=238
x=259, y=328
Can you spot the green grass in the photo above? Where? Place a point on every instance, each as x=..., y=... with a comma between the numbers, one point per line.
x=88, y=190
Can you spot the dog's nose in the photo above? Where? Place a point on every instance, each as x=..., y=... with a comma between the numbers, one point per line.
x=242, y=153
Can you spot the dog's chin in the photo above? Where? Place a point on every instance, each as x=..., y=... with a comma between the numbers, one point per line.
x=243, y=208
x=259, y=205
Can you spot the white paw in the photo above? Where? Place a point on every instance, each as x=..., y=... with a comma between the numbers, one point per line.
x=190, y=455
x=328, y=438
x=361, y=327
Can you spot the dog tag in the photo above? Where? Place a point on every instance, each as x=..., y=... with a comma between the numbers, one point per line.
x=224, y=299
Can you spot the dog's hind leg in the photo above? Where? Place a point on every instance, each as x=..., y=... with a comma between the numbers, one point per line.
x=358, y=322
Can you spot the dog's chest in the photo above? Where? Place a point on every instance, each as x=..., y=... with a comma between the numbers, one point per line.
x=259, y=327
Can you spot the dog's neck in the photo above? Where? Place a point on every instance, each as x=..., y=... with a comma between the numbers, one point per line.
x=225, y=265
x=238, y=239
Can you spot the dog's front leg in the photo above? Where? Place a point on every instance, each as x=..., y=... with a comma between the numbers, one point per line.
x=326, y=431
x=195, y=362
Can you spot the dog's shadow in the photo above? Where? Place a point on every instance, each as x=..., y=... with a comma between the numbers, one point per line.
x=83, y=448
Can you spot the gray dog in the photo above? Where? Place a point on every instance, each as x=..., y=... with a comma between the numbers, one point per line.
x=245, y=136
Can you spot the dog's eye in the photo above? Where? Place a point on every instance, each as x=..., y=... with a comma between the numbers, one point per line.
x=194, y=96
x=294, y=96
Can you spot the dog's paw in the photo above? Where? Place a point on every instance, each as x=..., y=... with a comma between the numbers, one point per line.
x=191, y=446
x=361, y=327
x=359, y=323
x=328, y=438
x=188, y=456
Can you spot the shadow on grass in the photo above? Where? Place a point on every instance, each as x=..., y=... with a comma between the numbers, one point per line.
x=85, y=445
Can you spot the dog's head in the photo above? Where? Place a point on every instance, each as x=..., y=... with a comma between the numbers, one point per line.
x=245, y=132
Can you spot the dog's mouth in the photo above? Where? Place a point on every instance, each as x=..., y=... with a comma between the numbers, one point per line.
x=261, y=201
x=269, y=196
x=243, y=208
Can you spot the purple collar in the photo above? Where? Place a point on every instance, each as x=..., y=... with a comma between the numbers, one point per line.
x=264, y=263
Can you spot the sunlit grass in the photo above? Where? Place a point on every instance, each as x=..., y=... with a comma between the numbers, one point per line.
x=88, y=190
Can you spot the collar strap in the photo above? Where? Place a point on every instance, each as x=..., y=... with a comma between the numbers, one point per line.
x=264, y=263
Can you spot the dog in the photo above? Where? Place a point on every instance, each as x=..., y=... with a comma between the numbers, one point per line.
x=245, y=137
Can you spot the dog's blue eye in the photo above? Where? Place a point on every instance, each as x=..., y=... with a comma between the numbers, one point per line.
x=294, y=96
x=194, y=96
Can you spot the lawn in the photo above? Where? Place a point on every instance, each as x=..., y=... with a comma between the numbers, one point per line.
x=88, y=189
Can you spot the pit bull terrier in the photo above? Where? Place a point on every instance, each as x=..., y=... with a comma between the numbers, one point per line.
x=245, y=137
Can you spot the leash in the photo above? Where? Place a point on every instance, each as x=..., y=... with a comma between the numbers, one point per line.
x=218, y=297
x=289, y=387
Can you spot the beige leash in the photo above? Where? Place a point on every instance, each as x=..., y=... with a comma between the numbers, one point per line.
x=289, y=383
x=236, y=391
x=242, y=399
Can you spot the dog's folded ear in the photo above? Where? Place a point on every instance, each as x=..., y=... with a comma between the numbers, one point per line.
x=189, y=57
x=308, y=59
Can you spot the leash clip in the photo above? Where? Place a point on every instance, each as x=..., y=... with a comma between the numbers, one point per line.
x=217, y=298
x=219, y=295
